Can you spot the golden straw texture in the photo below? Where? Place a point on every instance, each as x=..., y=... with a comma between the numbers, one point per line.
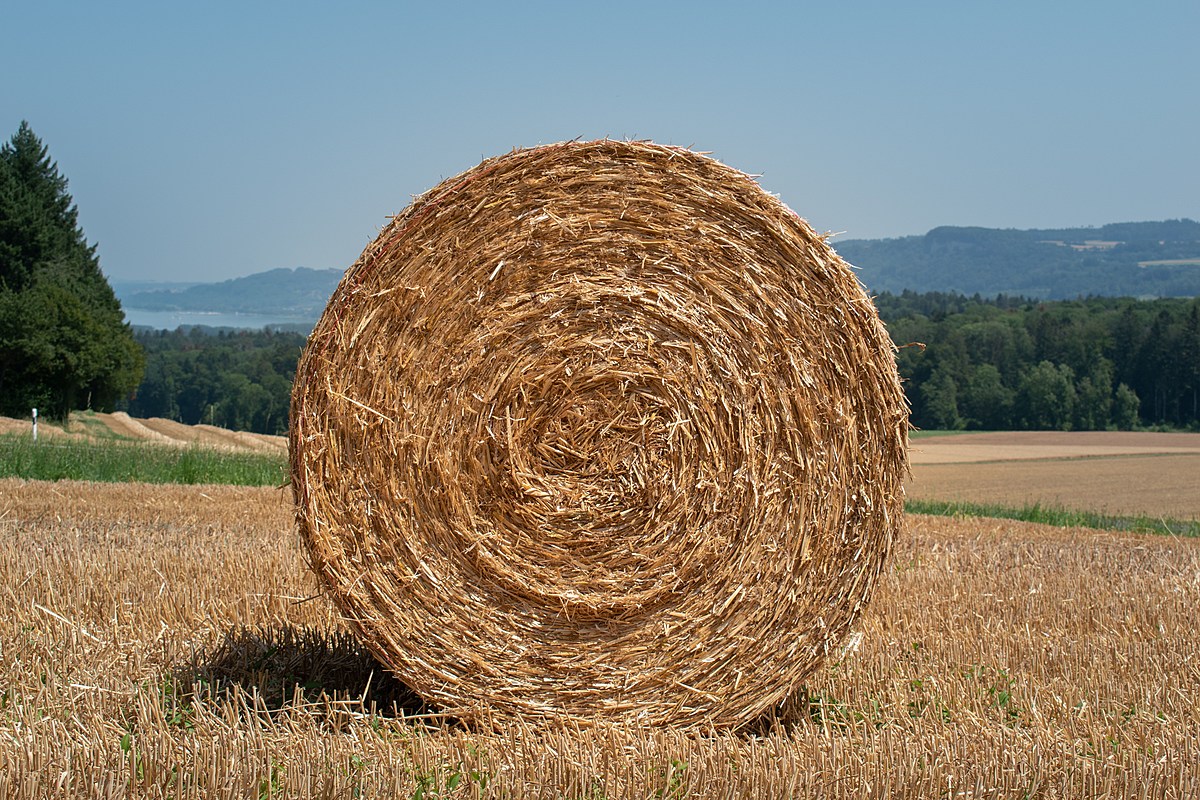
x=600, y=429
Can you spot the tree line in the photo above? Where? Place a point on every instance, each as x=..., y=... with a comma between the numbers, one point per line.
x=1006, y=363
x=1014, y=363
x=233, y=379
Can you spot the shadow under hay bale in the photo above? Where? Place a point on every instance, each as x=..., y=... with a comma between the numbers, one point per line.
x=600, y=430
x=282, y=666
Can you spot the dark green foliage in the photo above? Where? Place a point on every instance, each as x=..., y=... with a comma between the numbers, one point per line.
x=939, y=400
x=1006, y=363
x=1093, y=364
x=1114, y=260
x=240, y=380
x=64, y=343
x=987, y=404
x=1125, y=408
x=1046, y=397
x=1094, y=398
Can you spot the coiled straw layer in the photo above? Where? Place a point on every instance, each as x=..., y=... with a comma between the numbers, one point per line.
x=599, y=430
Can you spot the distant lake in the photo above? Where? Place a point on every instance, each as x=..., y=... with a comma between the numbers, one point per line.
x=170, y=320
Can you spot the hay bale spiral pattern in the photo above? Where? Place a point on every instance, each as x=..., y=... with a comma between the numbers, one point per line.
x=599, y=429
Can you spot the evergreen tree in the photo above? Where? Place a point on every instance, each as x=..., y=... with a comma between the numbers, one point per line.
x=1127, y=336
x=1188, y=356
x=1156, y=368
x=64, y=343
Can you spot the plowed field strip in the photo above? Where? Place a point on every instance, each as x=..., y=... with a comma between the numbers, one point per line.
x=1147, y=485
x=1036, y=445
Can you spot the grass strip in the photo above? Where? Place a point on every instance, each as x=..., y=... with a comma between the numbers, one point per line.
x=1055, y=515
x=120, y=461
x=117, y=461
x=923, y=434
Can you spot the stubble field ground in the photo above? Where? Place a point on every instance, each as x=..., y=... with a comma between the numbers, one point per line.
x=164, y=641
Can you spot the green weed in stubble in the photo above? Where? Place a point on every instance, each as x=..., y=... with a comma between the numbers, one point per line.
x=271, y=785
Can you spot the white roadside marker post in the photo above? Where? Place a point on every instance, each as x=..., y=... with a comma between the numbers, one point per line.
x=35, y=424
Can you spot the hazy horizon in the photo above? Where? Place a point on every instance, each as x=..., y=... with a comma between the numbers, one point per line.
x=206, y=143
x=173, y=284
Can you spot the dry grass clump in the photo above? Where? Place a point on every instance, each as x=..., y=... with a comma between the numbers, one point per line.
x=600, y=429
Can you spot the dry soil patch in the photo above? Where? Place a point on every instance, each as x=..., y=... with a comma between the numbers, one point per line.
x=1034, y=445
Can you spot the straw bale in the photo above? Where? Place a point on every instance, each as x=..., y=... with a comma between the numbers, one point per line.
x=599, y=430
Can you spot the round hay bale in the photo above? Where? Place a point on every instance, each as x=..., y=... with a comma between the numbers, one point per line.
x=599, y=430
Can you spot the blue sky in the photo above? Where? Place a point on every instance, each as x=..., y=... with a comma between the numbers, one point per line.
x=206, y=141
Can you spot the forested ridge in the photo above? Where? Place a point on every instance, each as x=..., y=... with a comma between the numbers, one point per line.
x=1127, y=259
x=968, y=363
x=1013, y=363
x=289, y=293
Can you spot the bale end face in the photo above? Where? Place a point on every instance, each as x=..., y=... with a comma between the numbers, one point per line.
x=600, y=429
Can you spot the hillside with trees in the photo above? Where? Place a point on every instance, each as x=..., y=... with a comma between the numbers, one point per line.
x=1136, y=259
x=1012, y=363
x=64, y=343
x=290, y=293
x=1008, y=363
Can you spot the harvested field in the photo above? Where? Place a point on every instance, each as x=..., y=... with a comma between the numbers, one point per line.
x=1148, y=474
x=126, y=427
x=165, y=640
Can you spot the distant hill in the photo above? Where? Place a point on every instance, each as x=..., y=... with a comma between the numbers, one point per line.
x=291, y=293
x=1128, y=259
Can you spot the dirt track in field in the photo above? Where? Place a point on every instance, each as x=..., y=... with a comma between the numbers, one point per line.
x=1151, y=474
